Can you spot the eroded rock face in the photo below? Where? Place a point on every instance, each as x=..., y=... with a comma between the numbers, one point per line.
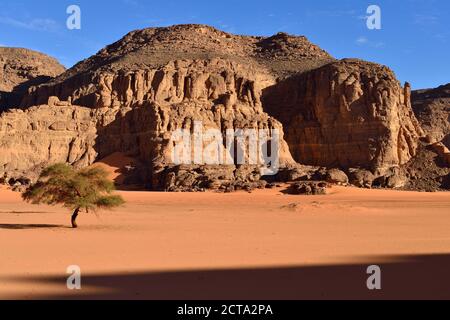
x=428, y=170
x=346, y=114
x=217, y=81
x=138, y=91
x=19, y=66
x=21, y=69
x=151, y=104
x=32, y=139
x=221, y=96
x=158, y=63
x=146, y=132
x=432, y=109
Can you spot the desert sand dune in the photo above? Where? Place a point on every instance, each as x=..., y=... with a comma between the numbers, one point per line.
x=209, y=245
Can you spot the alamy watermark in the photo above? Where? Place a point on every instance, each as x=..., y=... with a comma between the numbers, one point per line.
x=374, y=19
x=374, y=280
x=74, y=280
x=73, y=22
x=260, y=147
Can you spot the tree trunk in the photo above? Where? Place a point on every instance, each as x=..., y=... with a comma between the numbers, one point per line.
x=74, y=218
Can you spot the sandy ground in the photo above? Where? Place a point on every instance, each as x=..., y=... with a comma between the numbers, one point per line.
x=232, y=246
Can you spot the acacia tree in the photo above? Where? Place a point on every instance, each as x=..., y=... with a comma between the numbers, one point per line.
x=87, y=189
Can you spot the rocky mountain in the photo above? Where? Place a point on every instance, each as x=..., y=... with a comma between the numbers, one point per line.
x=432, y=108
x=21, y=69
x=104, y=79
x=348, y=113
x=429, y=169
x=133, y=95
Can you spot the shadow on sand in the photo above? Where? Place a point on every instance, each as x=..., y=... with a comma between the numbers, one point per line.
x=403, y=277
x=29, y=226
x=24, y=212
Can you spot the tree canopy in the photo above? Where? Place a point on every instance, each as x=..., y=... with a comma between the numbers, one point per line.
x=87, y=189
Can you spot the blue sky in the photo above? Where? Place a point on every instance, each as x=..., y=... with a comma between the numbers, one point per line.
x=414, y=40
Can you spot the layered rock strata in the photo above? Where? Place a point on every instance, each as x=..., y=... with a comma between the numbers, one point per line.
x=346, y=114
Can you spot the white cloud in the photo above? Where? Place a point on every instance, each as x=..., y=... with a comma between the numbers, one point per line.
x=378, y=44
x=424, y=19
x=33, y=24
x=363, y=41
x=333, y=13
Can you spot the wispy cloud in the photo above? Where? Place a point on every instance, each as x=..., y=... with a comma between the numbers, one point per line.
x=333, y=13
x=362, y=17
x=36, y=24
x=425, y=19
x=442, y=37
x=364, y=41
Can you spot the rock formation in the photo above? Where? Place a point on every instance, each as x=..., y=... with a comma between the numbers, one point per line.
x=432, y=108
x=346, y=114
x=430, y=169
x=164, y=79
x=34, y=138
x=21, y=69
x=144, y=59
x=132, y=96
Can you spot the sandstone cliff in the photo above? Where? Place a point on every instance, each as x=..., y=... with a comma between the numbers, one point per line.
x=32, y=139
x=349, y=113
x=220, y=94
x=173, y=77
x=133, y=95
x=432, y=108
x=129, y=65
x=22, y=66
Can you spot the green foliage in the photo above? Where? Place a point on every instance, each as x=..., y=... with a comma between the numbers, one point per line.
x=87, y=189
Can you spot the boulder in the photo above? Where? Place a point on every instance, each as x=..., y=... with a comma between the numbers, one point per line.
x=309, y=188
x=361, y=178
x=336, y=176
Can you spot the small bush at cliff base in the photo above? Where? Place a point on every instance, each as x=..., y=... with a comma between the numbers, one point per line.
x=87, y=189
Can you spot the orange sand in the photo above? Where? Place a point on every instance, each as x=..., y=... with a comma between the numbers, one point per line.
x=176, y=234
x=115, y=165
